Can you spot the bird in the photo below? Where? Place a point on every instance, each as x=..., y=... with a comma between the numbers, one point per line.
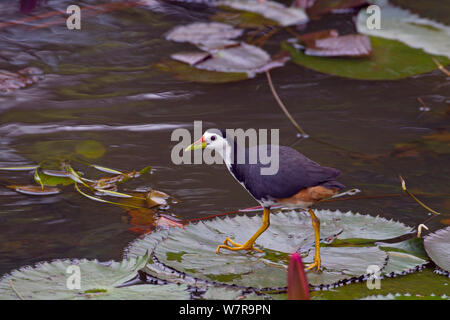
x=299, y=182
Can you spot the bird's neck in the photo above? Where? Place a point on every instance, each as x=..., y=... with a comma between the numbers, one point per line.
x=229, y=153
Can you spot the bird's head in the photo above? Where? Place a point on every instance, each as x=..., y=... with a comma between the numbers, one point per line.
x=211, y=139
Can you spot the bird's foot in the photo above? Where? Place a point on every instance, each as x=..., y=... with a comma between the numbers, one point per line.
x=316, y=264
x=234, y=246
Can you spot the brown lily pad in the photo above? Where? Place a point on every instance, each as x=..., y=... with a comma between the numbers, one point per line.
x=35, y=190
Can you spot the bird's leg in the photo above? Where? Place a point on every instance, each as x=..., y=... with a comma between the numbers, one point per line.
x=250, y=243
x=316, y=226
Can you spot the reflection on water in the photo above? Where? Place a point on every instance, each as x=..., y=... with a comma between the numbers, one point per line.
x=99, y=85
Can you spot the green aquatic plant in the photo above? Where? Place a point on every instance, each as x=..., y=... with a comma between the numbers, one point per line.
x=292, y=233
x=97, y=280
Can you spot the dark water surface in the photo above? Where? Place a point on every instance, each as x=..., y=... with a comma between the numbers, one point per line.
x=99, y=85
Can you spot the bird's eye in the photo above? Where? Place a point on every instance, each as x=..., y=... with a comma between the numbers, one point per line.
x=213, y=138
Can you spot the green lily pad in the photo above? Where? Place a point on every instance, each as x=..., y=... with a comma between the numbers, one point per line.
x=243, y=19
x=437, y=246
x=406, y=296
x=411, y=29
x=53, y=178
x=98, y=281
x=269, y=9
x=390, y=60
x=423, y=283
x=191, y=251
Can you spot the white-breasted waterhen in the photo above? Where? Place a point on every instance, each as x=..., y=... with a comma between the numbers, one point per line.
x=299, y=182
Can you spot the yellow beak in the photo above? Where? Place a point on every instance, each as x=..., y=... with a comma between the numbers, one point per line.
x=199, y=144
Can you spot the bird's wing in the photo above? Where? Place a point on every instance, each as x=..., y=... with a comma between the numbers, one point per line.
x=295, y=172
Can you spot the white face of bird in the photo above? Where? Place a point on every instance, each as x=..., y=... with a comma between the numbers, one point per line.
x=212, y=139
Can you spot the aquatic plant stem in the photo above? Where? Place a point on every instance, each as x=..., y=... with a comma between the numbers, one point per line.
x=415, y=199
x=441, y=67
x=283, y=107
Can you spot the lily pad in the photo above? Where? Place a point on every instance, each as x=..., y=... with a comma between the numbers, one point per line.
x=343, y=46
x=423, y=283
x=243, y=58
x=406, y=296
x=411, y=29
x=98, y=281
x=390, y=60
x=203, y=34
x=186, y=72
x=242, y=19
x=269, y=9
x=192, y=250
x=35, y=190
x=437, y=246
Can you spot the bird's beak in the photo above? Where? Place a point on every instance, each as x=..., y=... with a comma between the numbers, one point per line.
x=199, y=144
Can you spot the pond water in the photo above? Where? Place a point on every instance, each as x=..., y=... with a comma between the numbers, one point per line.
x=99, y=84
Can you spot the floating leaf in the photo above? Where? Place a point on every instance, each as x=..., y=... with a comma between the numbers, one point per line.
x=54, y=178
x=411, y=29
x=104, y=169
x=20, y=168
x=229, y=293
x=209, y=35
x=437, y=245
x=269, y=9
x=185, y=72
x=114, y=193
x=422, y=283
x=242, y=19
x=103, y=200
x=97, y=281
x=243, y=58
x=406, y=296
x=35, y=190
x=344, y=46
x=195, y=245
x=191, y=58
x=390, y=60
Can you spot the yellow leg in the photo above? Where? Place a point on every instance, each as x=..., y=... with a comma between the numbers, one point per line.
x=316, y=226
x=250, y=244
